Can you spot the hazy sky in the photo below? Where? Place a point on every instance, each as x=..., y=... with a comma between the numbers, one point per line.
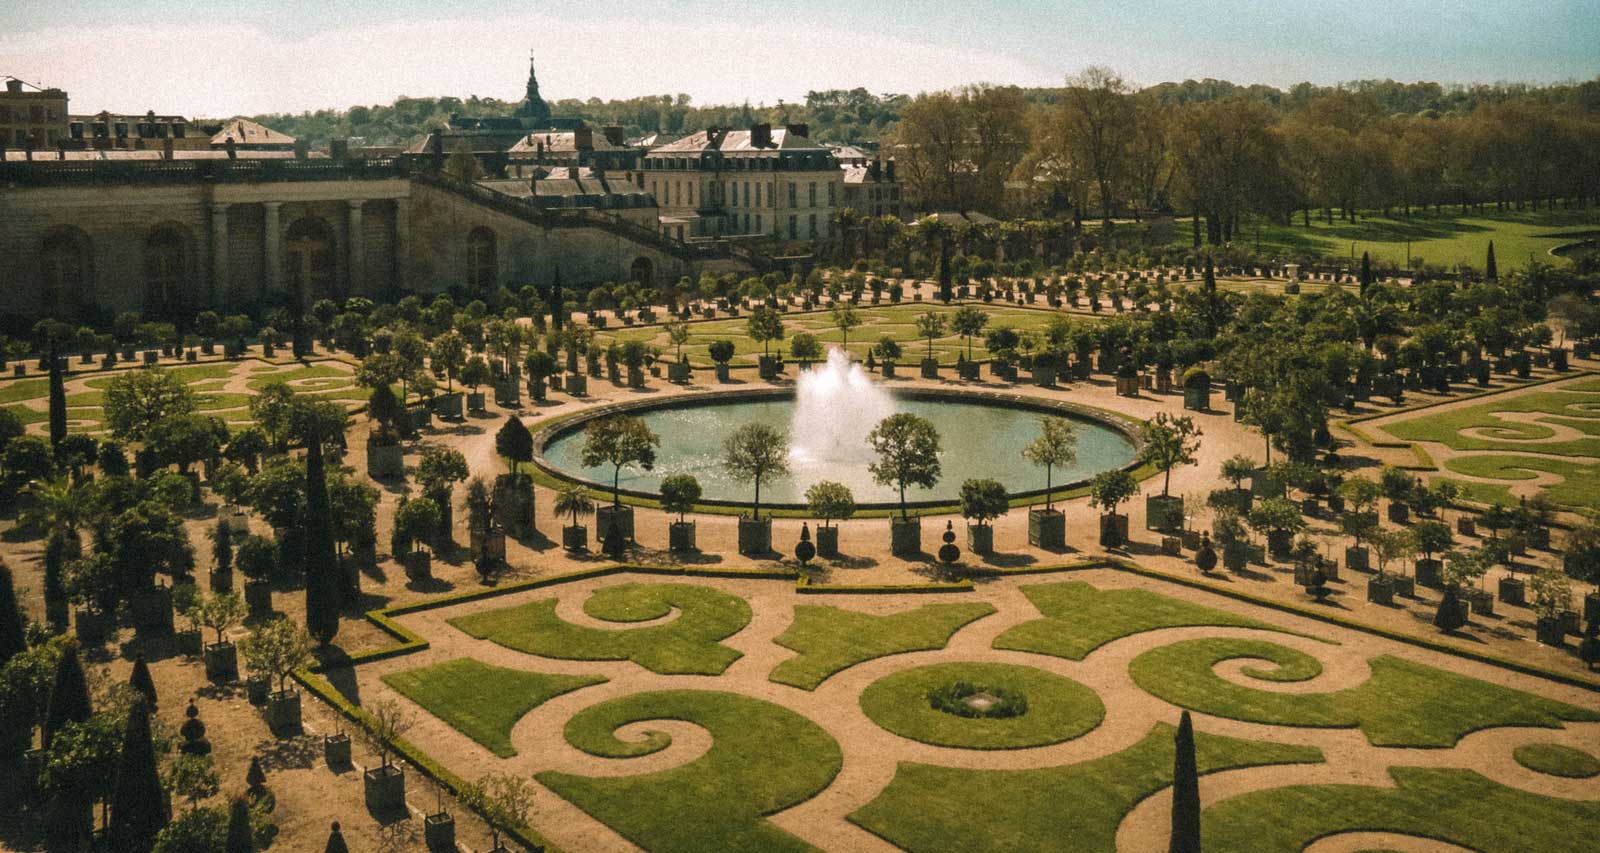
x=224, y=57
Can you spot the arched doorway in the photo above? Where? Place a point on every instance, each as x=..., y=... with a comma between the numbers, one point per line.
x=312, y=269
x=65, y=270
x=483, y=263
x=643, y=272
x=167, y=291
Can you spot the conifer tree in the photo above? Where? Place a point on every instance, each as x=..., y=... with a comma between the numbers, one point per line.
x=139, y=806
x=1366, y=272
x=557, y=302
x=140, y=680
x=1185, y=791
x=57, y=550
x=58, y=402
x=13, y=637
x=323, y=576
x=1490, y=270
x=240, y=839
x=336, y=841
x=69, y=695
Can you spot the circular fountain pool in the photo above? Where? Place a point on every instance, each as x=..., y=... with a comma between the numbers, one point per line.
x=826, y=420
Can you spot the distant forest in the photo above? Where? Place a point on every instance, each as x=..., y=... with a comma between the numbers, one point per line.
x=858, y=116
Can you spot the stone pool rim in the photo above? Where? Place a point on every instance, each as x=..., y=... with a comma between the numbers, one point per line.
x=1122, y=425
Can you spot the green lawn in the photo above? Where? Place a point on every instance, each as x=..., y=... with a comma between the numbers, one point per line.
x=1564, y=406
x=1440, y=240
x=1059, y=709
x=831, y=639
x=1456, y=806
x=481, y=701
x=763, y=758
x=688, y=644
x=1079, y=618
x=1402, y=704
x=1557, y=760
x=1579, y=486
x=1071, y=808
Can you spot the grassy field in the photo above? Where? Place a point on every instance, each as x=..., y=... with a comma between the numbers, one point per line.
x=763, y=758
x=1079, y=618
x=1402, y=704
x=686, y=645
x=1440, y=240
x=830, y=639
x=481, y=701
x=1557, y=760
x=1059, y=709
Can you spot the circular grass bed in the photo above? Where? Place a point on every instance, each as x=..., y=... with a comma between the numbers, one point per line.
x=1556, y=760
x=982, y=706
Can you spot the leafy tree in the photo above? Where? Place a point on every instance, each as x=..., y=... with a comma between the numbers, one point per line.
x=476, y=372
x=199, y=830
x=968, y=322
x=678, y=335
x=764, y=327
x=931, y=326
x=754, y=452
x=888, y=348
x=679, y=494
x=504, y=799
x=94, y=583
x=185, y=440
x=845, y=318
x=139, y=807
x=27, y=459
x=147, y=539
x=449, y=355
x=135, y=400
x=1390, y=545
x=804, y=346
x=219, y=611
x=270, y=408
x=1432, y=537
x=277, y=648
x=514, y=442
x=619, y=441
x=721, y=352
x=984, y=500
x=385, y=724
x=79, y=766
x=258, y=557
x=415, y=521
x=194, y=777
x=11, y=427
x=1168, y=443
x=830, y=501
x=245, y=447
x=1056, y=444
x=1109, y=489
x=908, y=454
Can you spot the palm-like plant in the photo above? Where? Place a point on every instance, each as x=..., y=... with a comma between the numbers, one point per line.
x=58, y=503
x=573, y=501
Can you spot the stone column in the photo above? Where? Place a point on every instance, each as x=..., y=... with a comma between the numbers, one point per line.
x=357, y=265
x=219, y=252
x=272, y=247
x=402, y=243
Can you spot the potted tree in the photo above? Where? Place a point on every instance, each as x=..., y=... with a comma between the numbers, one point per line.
x=845, y=318
x=437, y=473
x=1387, y=545
x=1432, y=537
x=487, y=539
x=221, y=556
x=474, y=374
x=186, y=600
x=752, y=453
x=1168, y=443
x=888, y=350
x=829, y=502
x=95, y=586
x=1359, y=519
x=1230, y=532
x=1056, y=444
x=220, y=611
x=1107, y=491
x=981, y=502
x=574, y=501
x=1468, y=568
x=1552, y=596
x=634, y=355
x=1279, y=519
x=765, y=326
x=619, y=441
x=968, y=321
x=540, y=366
x=721, y=353
x=1236, y=470
x=505, y=801
x=678, y=334
x=679, y=494
x=257, y=560
x=1197, y=389
x=384, y=786
x=1398, y=486
x=416, y=523
x=806, y=349
x=1582, y=563
x=908, y=455
x=513, y=491
x=930, y=327
x=275, y=650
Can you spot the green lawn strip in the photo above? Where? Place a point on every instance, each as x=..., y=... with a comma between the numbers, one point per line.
x=1456, y=806
x=687, y=644
x=831, y=639
x=1079, y=618
x=1403, y=704
x=24, y=389
x=1556, y=760
x=1072, y=808
x=192, y=373
x=481, y=701
x=1579, y=486
x=763, y=758
x=29, y=415
x=1059, y=709
x=294, y=375
x=1483, y=493
x=1446, y=427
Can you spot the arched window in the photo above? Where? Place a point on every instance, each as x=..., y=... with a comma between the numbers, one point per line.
x=483, y=265
x=311, y=269
x=65, y=271
x=165, y=291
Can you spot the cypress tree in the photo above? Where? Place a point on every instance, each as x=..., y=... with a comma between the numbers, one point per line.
x=61, y=545
x=336, y=841
x=58, y=401
x=140, y=680
x=323, y=581
x=240, y=839
x=139, y=807
x=69, y=695
x=1366, y=272
x=13, y=637
x=556, y=301
x=1448, y=617
x=1490, y=270
x=514, y=441
x=256, y=778
x=1185, y=791
x=222, y=545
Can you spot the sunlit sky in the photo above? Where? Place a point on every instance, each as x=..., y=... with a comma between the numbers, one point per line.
x=225, y=57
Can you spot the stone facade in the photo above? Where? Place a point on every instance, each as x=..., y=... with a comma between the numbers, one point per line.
x=873, y=189
x=35, y=118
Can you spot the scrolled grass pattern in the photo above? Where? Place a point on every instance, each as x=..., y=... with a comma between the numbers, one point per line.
x=1076, y=807
x=1054, y=708
x=481, y=701
x=763, y=758
x=687, y=644
x=1456, y=806
x=1078, y=618
x=1579, y=486
x=832, y=639
x=1403, y=704
x=1553, y=759
x=1570, y=406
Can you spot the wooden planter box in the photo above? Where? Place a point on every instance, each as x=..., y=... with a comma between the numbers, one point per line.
x=221, y=580
x=980, y=538
x=283, y=711
x=1047, y=529
x=1481, y=600
x=755, y=536
x=385, y=461
x=258, y=598
x=1197, y=399
x=1172, y=546
x=385, y=788
x=1569, y=622
x=680, y=536
x=770, y=366
x=1429, y=573
x=508, y=394
x=635, y=377
x=721, y=370
x=191, y=642
x=1466, y=527
x=222, y=662
x=419, y=565
x=1163, y=512
x=575, y=537
x=476, y=402
x=1044, y=375
x=1549, y=632
x=1380, y=590
x=1113, y=530
x=577, y=384
x=905, y=535
x=1591, y=607
x=619, y=515
x=827, y=539
x=930, y=368
x=888, y=369
x=336, y=750
x=1513, y=591
x=439, y=831
x=1357, y=559
x=678, y=373
x=1127, y=386
x=1404, y=585
x=257, y=688
x=967, y=370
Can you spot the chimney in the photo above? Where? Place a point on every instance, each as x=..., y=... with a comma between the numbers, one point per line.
x=583, y=138
x=799, y=129
x=14, y=86
x=302, y=148
x=339, y=149
x=613, y=134
x=760, y=135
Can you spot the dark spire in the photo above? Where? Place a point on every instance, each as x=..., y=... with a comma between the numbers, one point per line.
x=533, y=106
